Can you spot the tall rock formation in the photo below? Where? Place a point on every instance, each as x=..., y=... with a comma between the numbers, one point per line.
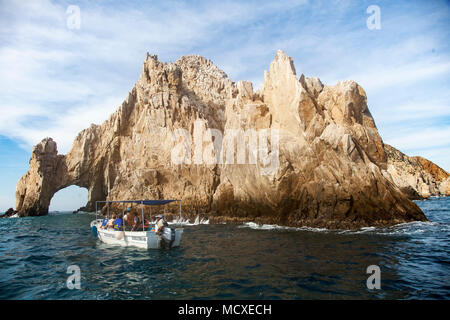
x=417, y=177
x=295, y=153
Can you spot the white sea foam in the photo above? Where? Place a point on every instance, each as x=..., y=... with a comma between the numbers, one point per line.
x=399, y=229
x=187, y=222
x=415, y=224
x=256, y=226
x=406, y=228
x=410, y=228
x=86, y=212
x=361, y=230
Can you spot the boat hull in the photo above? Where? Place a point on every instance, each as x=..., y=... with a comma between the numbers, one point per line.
x=140, y=239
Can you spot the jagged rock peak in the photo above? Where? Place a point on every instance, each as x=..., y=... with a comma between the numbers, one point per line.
x=46, y=146
x=153, y=57
x=201, y=64
x=283, y=61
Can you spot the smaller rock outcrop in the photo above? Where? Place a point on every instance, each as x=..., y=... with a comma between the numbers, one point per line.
x=82, y=209
x=417, y=177
x=9, y=213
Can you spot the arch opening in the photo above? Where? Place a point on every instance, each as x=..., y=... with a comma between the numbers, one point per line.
x=70, y=199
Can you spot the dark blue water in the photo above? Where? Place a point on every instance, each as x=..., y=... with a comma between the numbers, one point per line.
x=228, y=261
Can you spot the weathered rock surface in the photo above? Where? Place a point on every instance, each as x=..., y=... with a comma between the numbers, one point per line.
x=417, y=177
x=317, y=158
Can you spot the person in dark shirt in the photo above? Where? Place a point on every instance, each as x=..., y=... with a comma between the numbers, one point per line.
x=137, y=225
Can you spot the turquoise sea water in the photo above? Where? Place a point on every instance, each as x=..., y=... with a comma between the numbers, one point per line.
x=228, y=261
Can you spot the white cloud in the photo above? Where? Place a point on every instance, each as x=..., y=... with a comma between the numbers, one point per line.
x=414, y=112
x=412, y=138
x=379, y=76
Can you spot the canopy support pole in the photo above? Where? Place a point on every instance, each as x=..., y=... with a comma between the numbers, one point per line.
x=180, y=212
x=123, y=215
x=142, y=215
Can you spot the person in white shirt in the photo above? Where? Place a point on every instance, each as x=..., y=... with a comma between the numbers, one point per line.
x=159, y=225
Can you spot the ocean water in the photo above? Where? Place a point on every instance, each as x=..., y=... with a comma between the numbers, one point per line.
x=228, y=261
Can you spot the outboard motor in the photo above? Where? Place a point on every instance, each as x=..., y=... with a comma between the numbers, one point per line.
x=94, y=231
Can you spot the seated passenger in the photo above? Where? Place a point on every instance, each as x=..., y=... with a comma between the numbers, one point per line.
x=128, y=220
x=110, y=224
x=147, y=225
x=137, y=226
x=118, y=224
x=104, y=223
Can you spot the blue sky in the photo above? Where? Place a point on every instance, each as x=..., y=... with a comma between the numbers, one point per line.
x=56, y=81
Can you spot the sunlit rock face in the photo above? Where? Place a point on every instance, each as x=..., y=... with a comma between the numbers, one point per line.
x=296, y=152
x=417, y=177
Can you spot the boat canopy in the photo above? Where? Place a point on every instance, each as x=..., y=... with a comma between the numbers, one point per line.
x=146, y=202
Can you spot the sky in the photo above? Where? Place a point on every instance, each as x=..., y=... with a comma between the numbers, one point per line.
x=57, y=76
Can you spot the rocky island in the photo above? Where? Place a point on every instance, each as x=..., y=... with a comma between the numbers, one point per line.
x=312, y=153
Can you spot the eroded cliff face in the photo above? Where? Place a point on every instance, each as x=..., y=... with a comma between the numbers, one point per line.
x=312, y=154
x=417, y=177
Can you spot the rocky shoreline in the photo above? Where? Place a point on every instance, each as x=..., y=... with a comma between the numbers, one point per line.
x=321, y=163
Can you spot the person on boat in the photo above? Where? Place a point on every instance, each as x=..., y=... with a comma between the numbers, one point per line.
x=147, y=225
x=136, y=223
x=104, y=223
x=160, y=224
x=128, y=220
x=118, y=223
x=110, y=224
x=160, y=227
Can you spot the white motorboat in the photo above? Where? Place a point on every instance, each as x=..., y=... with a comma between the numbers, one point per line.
x=147, y=238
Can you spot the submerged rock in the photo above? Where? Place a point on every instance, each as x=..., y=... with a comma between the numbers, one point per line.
x=306, y=154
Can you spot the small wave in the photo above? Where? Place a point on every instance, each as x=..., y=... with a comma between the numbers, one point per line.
x=411, y=228
x=85, y=212
x=359, y=231
x=256, y=226
x=407, y=228
x=187, y=222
